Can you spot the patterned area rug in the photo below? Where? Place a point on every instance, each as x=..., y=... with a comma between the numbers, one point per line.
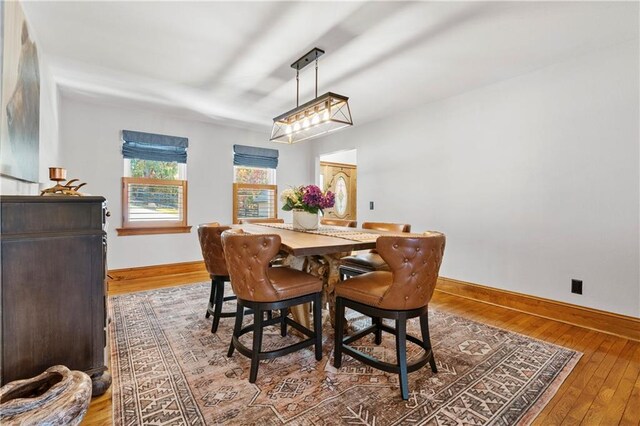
x=168, y=369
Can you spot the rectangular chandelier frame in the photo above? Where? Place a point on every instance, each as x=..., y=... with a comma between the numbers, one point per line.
x=317, y=117
x=322, y=115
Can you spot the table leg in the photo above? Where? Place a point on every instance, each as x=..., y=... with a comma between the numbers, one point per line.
x=300, y=313
x=332, y=279
x=328, y=270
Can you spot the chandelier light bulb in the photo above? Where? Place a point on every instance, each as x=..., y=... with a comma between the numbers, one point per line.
x=305, y=123
x=296, y=126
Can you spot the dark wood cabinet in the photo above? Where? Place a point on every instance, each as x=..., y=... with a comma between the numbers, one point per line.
x=53, y=286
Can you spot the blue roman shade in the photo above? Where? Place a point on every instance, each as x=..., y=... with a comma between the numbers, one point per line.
x=149, y=146
x=251, y=156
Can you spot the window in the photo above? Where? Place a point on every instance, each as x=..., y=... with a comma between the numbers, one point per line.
x=154, y=186
x=255, y=194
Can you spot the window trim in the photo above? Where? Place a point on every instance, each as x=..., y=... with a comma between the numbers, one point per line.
x=239, y=186
x=154, y=227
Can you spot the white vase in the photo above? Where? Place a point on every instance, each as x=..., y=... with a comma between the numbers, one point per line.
x=305, y=221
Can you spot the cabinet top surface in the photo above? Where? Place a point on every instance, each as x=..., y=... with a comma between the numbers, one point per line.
x=50, y=199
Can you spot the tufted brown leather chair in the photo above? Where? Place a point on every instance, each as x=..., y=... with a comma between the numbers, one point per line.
x=339, y=222
x=361, y=263
x=279, y=259
x=401, y=293
x=209, y=235
x=262, y=288
x=261, y=220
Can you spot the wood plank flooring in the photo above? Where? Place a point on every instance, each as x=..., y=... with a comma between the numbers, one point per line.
x=603, y=388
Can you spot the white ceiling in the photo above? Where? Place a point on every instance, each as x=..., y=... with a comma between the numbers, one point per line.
x=230, y=61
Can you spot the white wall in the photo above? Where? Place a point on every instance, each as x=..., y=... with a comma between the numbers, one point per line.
x=91, y=151
x=535, y=180
x=49, y=124
x=348, y=156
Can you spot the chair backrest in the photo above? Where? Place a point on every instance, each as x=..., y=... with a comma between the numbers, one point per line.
x=339, y=222
x=248, y=257
x=414, y=262
x=383, y=226
x=209, y=235
x=261, y=220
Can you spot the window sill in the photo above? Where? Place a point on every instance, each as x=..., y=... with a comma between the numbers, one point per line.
x=151, y=230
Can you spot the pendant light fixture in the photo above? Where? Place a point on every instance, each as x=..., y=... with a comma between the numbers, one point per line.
x=321, y=115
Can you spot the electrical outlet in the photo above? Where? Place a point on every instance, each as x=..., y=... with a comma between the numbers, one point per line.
x=370, y=205
x=576, y=286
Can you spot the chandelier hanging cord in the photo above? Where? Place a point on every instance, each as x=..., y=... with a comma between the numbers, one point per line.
x=305, y=60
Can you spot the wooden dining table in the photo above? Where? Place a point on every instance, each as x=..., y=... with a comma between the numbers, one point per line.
x=318, y=254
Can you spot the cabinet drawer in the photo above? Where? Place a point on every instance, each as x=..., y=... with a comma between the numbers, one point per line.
x=43, y=216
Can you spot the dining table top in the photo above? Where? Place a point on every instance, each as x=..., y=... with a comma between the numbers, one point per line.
x=300, y=243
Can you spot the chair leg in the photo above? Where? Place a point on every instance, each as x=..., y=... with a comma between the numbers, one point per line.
x=426, y=339
x=377, y=321
x=219, y=301
x=257, y=344
x=339, y=332
x=317, y=325
x=283, y=321
x=401, y=354
x=236, y=328
x=212, y=297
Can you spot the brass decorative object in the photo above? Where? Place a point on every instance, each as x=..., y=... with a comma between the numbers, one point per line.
x=58, y=174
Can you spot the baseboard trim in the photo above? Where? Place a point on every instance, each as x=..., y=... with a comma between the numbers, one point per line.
x=156, y=270
x=593, y=319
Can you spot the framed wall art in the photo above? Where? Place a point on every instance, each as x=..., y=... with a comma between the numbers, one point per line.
x=20, y=96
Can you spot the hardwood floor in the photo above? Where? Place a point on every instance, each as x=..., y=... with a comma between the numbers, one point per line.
x=603, y=388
